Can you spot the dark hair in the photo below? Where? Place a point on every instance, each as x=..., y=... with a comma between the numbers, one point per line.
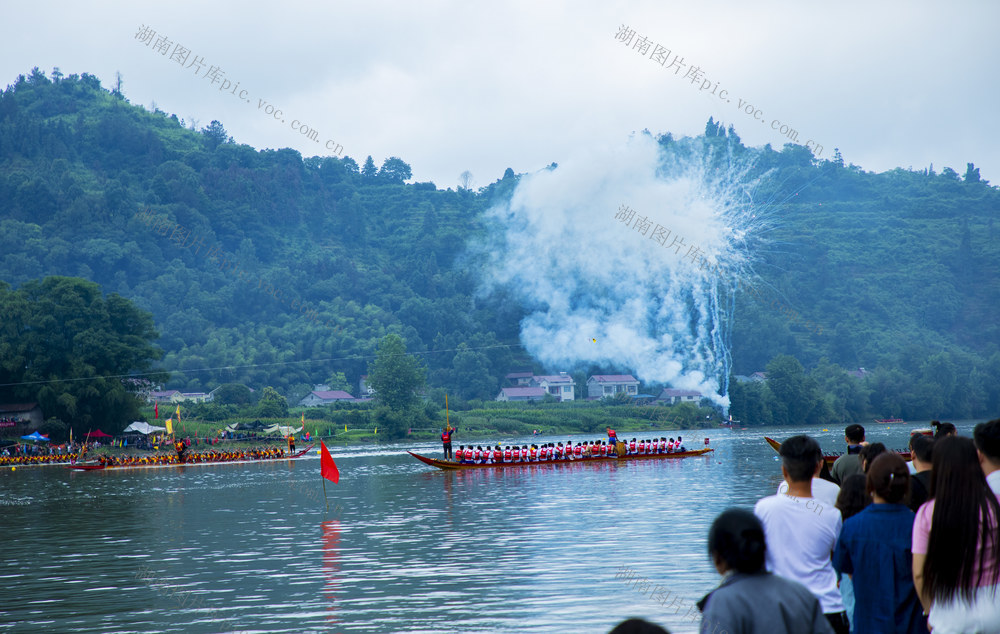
x=799, y=456
x=964, y=521
x=853, y=496
x=888, y=477
x=737, y=538
x=638, y=626
x=824, y=472
x=855, y=433
x=987, y=438
x=870, y=452
x=922, y=447
x=943, y=429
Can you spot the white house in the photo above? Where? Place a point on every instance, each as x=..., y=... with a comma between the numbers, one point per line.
x=558, y=385
x=330, y=397
x=521, y=394
x=672, y=397
x=601, y=385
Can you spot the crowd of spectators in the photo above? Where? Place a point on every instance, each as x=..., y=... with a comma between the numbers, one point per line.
x=906, y=547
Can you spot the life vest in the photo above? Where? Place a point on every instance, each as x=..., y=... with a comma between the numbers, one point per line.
x=446, y=436
x=578, y=450
x=604, y=451
x=496, y=455
x=642, y=446
x=476, y=455
x=507, y=454
x=631, y=446
x=534, y=453
x=612, y=435
x=670, y=446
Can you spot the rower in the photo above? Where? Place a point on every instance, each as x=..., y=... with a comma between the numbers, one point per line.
x=477, y=454
x=180, y=448
x=291, y=444
x=631, y=446
x=534, y=453
x=680, y=445
x=497, y=454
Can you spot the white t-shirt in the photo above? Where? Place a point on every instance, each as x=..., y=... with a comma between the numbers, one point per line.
x=801, y=534
x=823, y=490
x=994, y=481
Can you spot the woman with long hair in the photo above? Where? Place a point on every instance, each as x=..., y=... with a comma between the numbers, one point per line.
x=956, y=543
x=751, y=599
x=874, y=548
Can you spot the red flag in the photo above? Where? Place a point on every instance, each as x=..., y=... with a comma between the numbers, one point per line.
x=328, y=468
x=156, y=411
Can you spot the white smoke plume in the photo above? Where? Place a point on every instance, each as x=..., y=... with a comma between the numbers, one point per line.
x=599, y=291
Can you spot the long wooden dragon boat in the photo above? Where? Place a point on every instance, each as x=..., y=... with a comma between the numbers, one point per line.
x=831, y=458
x=103, y=467
x=449, y=465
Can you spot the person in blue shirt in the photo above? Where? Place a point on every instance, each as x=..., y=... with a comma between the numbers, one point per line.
x=874, y=548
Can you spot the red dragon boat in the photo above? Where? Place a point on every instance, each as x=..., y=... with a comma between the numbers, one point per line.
x=449, y=465
x=102, y=467
x=830, y=459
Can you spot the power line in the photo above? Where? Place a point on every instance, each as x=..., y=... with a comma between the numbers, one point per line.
x=250, y=365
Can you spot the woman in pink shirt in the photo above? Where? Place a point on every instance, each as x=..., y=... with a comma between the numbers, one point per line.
x=956, y=543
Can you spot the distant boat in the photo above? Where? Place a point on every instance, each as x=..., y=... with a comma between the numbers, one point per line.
x=830, y=458
x=889, y=421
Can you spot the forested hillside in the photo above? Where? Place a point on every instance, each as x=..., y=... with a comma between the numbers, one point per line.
x=264, y=263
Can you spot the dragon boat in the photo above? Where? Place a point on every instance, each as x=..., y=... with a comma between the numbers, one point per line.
x=830, y=458
x=199, y=463
x=449, y=465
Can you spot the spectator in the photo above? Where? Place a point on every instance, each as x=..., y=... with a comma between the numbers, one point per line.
x=987, y=438
x=801, y=534
x=921, y=451
x=751, y=599
x=956, y=543
x=638, y=626
x=874, y=548
x=943, y=429
x=852, y=500
x=869, y=453
x=849, y=463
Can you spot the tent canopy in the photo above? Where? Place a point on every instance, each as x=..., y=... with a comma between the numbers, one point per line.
x=284, y=430
x=35, y=436
x=98, y=434
x=142, y=427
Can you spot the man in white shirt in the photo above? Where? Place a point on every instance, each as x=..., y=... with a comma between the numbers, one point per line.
x=824, y=491
x=801, y=531
x=987, y=437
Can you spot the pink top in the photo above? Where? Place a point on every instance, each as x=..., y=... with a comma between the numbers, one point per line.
x=922, y=531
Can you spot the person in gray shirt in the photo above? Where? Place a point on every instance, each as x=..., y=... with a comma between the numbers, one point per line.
x=750, y=599
x=850, y=462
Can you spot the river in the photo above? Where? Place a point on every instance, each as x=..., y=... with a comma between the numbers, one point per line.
x=403, y=548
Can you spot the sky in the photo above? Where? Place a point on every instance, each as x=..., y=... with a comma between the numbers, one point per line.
x=451, y=86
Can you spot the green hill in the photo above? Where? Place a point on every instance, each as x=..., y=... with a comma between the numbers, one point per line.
x=273, y=269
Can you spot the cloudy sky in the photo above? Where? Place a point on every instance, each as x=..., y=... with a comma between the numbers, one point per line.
x=450, y=86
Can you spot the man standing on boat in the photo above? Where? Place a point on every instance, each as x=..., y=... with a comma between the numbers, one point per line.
x=446, y=441
x=180, y=448
x=291, y=444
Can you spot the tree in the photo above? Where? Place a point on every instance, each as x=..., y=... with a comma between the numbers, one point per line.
x=369, y=171
x=395, y=375
x=395, y=170
x=272, y=404
x=67, y=347
x=216, y=135
x=233, y=394
x=338, y=381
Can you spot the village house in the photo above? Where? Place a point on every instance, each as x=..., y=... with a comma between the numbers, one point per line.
x=13, y=414
x=521, y=394
x=326, y=397
x=671, y=396
x=601, y=385
x=558, y=385
x=520, y=379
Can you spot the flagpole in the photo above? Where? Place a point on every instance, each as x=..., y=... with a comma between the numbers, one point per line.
x=324, y=494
